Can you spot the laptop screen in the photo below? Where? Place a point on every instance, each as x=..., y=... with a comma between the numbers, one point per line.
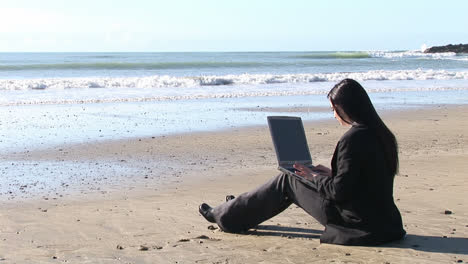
x=289, y=139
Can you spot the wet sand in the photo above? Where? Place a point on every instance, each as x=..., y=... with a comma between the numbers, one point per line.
x=136, y=200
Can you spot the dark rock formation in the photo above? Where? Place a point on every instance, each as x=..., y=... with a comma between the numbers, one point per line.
x=460, y=48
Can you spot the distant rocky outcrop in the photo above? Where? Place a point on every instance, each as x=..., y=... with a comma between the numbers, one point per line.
x=460, y=48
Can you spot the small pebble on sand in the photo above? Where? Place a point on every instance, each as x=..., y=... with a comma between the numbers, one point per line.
x=144, y=248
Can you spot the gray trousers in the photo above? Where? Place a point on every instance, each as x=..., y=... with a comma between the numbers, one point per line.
x=252, y=208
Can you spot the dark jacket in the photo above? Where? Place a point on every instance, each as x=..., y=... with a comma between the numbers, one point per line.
x=358, y=197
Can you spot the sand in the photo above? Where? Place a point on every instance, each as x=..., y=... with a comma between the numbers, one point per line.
x=136, y=200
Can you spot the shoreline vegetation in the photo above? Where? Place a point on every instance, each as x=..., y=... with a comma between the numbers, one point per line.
x=143, y=222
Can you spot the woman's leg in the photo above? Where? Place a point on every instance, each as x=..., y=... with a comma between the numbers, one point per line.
x=252, y=208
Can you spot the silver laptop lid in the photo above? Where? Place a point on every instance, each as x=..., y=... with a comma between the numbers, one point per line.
x=287, y=133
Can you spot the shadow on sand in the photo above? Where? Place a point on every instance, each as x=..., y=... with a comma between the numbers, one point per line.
x=434, y=244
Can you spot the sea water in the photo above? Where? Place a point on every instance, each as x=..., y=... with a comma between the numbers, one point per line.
x=58, y=98
x=49, y=100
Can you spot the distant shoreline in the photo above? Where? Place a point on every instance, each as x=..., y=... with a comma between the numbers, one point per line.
x=460, y=48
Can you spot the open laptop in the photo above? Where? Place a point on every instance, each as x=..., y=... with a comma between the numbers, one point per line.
x=287, y=133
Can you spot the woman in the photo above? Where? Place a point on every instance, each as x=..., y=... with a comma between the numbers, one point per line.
x=353, y=199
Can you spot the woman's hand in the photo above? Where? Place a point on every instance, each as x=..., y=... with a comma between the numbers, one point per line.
x=304, y=171
x=323, y=170
x=308, y=173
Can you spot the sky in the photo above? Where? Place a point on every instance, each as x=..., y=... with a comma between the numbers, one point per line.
x=235, y=25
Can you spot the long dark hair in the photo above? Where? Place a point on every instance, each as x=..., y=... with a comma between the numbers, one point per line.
x=352, y=104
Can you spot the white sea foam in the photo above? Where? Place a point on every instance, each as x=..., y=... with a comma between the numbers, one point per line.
x=194, y=96
x=411, y=54
x=87, y=96
x=460, y=58
x=164, y=81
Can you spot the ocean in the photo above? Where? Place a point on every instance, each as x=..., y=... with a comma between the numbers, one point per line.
x=49, y=101
x=57, y=98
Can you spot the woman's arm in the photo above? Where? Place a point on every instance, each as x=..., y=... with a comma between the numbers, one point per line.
x=340, y=186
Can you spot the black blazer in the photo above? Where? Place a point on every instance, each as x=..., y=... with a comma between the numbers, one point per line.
x=358, y=197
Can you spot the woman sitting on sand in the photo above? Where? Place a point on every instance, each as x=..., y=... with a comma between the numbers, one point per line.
x=353, y=199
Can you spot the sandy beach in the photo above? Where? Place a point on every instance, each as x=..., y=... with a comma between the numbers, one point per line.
x=149, y=214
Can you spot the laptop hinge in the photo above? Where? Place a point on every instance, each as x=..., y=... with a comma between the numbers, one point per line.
x=289, y=164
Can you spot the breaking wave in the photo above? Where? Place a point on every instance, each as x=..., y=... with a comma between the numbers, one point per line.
x=165, y=81
x=411, y=54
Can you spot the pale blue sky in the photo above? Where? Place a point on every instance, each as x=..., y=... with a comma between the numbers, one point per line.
x=236, y=25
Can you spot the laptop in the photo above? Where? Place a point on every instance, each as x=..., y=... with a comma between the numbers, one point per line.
x=287, y=133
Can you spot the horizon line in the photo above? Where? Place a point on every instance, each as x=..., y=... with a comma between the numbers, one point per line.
x=210, y=51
